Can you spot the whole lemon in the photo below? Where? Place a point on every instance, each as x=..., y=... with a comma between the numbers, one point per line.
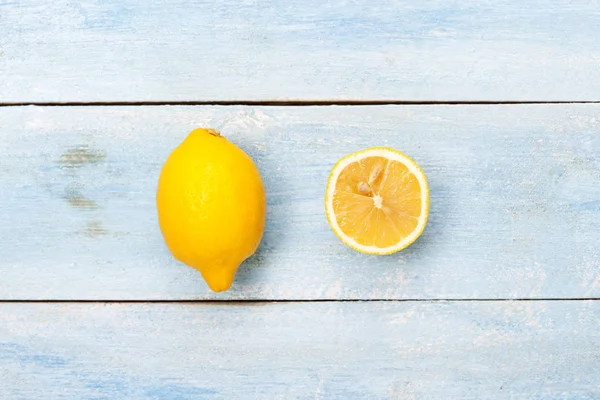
x=211, y=206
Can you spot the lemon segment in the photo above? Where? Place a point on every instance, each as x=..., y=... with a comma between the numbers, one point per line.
x=377, y=200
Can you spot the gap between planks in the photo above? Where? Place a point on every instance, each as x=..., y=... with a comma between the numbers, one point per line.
x=253, y=301
x=277, y=103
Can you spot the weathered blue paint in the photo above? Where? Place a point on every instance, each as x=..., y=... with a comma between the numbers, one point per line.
x=515, y=200
x=18, y=360
x=399, y=350
x=514, y=194
x=118, y=50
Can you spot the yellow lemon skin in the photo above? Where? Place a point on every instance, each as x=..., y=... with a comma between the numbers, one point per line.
x=211, y=206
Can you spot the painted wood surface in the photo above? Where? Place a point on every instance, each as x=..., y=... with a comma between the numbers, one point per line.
x=161, y=50
x=515, y=202
x=474, y=350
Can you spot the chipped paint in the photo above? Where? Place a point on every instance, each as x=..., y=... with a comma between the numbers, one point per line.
x=74, y=196
x=93, y=229
x=80, y=156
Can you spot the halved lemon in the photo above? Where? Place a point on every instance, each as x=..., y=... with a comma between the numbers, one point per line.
x=377, y=200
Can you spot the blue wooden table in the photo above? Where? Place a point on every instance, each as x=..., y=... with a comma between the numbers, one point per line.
x=499, y=102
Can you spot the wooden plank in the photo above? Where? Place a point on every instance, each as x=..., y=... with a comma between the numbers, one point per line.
x=475, y=350
x=247, y=50
x=515, y=207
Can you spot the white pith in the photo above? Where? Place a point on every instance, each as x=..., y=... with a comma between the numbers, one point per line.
x=391, y=155
x=378, y=201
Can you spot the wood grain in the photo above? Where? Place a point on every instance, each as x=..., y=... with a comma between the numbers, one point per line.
x=180, y=50
x=476, y=350
x=515, y=206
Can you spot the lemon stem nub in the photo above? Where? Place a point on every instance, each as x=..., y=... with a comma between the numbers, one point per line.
x=213, y=132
